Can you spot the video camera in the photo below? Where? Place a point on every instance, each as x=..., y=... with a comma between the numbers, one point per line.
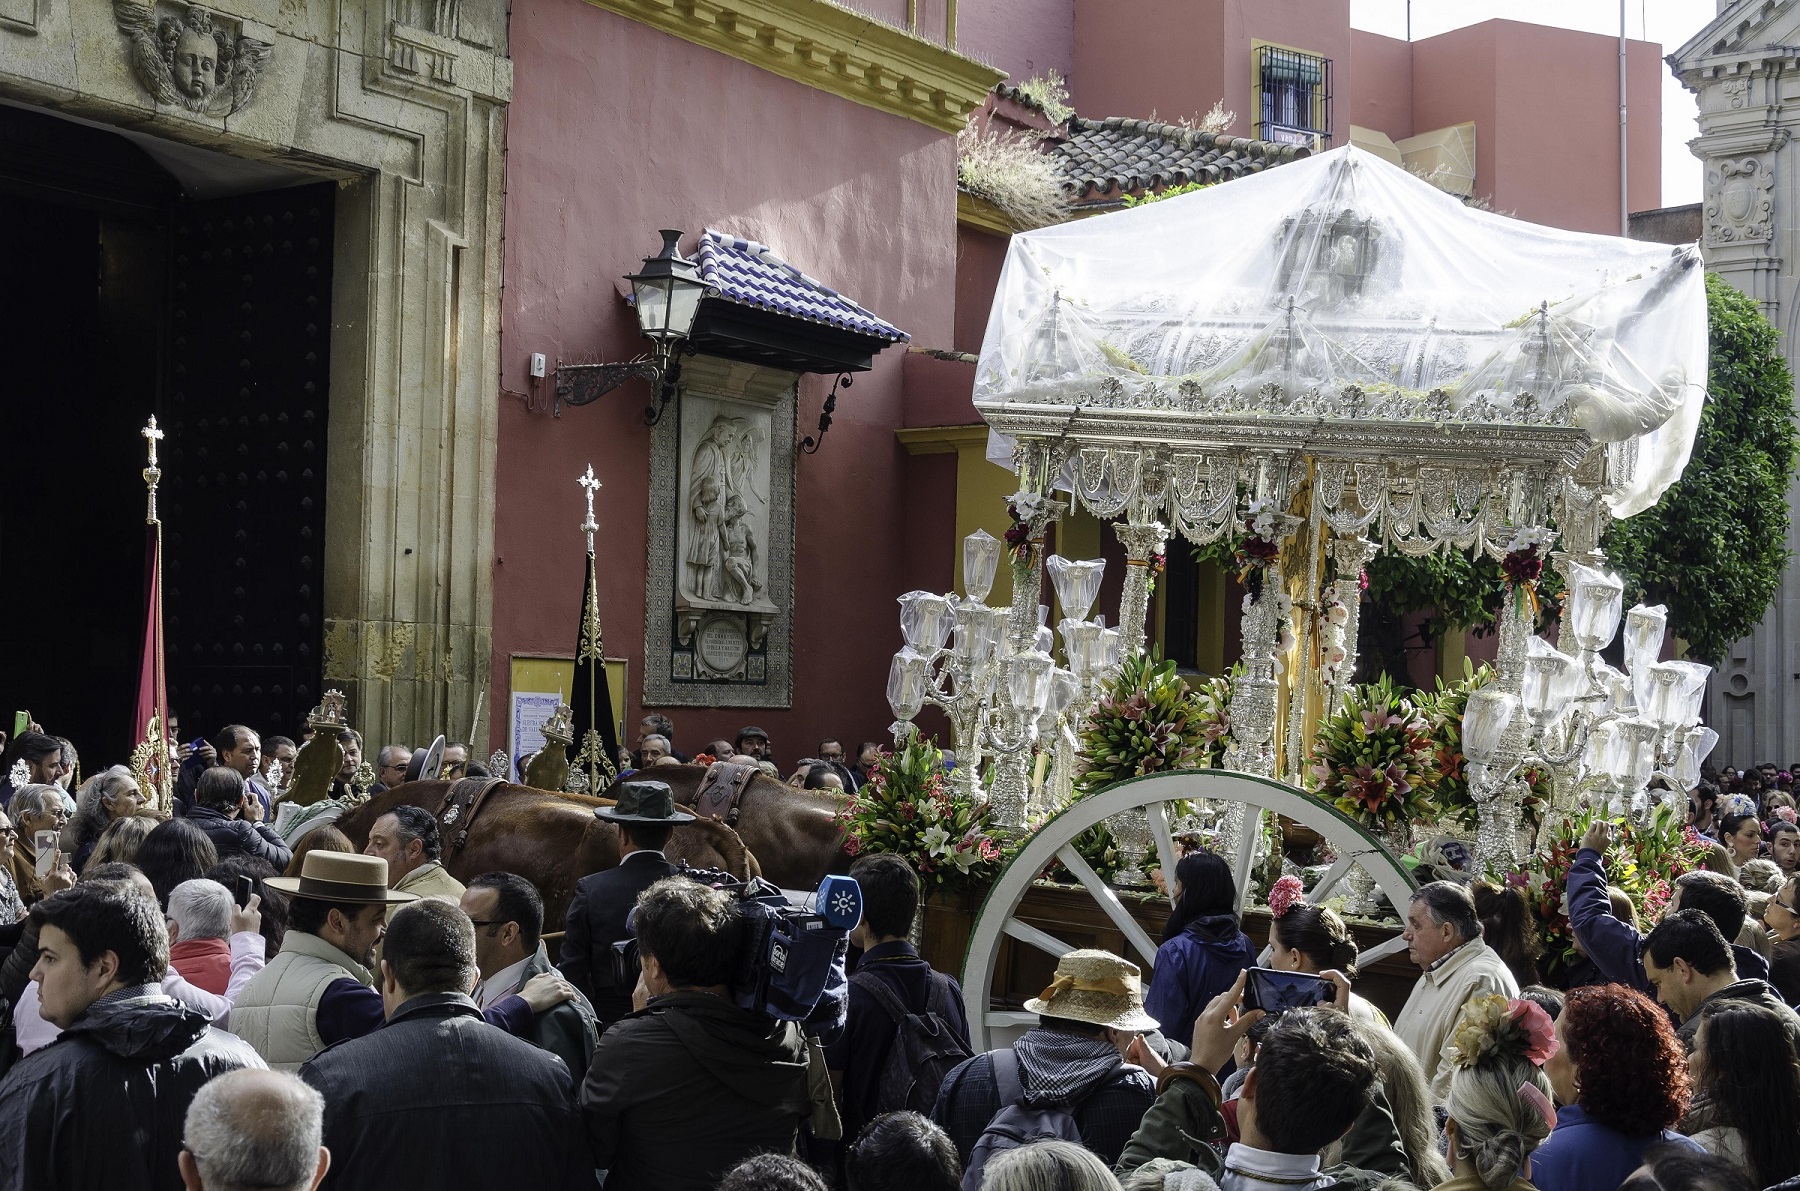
x=790, y=960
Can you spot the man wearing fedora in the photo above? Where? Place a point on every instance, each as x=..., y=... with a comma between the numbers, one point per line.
x=1072, y=1059
x=320, y=989
x=645, y=814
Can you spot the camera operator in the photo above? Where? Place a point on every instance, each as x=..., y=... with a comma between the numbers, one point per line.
x=689, y=1084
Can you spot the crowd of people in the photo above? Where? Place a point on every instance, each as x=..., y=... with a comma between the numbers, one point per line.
x=199, y=1002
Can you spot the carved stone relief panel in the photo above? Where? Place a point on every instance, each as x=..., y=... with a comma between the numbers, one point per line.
x=190, y=57
x=1740, y=201
x=718, y=604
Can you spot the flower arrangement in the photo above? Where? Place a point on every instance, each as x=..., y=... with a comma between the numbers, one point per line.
x=1443, y=711
x=1258, y=547
x=1024, y=508
x=1146, y=721
x=1212, y=713
x=1494, y=1025
x=1523, y=564
x=907, y=808
x=1644, y=861
x=1334, y=617
x=1373, y=759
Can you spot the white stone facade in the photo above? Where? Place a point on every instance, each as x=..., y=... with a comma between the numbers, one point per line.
x=404, y=103
x=1745, y=69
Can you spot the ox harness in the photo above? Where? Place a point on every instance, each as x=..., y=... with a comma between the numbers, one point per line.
x=722, y=789
x=462, y=805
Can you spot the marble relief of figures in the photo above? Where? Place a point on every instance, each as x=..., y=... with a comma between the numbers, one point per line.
x=724, y=549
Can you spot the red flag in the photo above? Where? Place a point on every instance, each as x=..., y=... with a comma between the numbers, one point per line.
x=150, y=724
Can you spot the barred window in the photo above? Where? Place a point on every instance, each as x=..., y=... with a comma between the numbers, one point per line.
x=1294, y=97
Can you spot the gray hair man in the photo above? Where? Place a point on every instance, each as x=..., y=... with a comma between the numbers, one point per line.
x=1443, y=936
x=254, y=1131
x=390, y=766
x=199, y=921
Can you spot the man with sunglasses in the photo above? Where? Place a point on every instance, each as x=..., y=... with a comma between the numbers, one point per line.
x=508, y=915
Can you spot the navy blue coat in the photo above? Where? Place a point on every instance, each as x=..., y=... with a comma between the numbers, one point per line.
x=1194, y=967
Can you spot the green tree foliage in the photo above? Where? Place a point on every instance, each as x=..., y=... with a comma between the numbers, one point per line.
x=1713, y=548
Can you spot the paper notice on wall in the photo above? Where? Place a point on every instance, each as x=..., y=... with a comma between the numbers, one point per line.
x=529, y=711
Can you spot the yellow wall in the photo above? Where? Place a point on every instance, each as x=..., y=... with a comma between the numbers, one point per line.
x=981, y=492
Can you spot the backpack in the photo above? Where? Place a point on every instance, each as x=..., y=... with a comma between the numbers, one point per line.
x=1015, y=1125
x=924, y=1052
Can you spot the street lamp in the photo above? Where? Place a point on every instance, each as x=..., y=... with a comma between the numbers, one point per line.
x=666, y=295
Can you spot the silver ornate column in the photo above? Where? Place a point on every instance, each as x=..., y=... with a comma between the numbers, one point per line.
x=1351, y=555
x=1009, y=797
x=1141, y=543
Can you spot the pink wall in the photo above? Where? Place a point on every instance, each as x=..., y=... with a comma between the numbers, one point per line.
x=979, y=258
x=1383, y=98
x=1177, y=57
x=1545, y=104
x=1022, y=37
x=616, y=130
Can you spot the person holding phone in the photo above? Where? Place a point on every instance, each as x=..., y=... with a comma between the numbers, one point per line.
x=1203, y=947
x=40, y=816
x=1307, y=938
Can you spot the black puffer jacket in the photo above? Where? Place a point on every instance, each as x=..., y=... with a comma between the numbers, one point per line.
x=102, y=1106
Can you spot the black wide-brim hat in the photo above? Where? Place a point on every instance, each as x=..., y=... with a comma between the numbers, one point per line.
x=644, y=802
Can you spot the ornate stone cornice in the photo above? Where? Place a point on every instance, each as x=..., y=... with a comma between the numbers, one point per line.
x=831, y=48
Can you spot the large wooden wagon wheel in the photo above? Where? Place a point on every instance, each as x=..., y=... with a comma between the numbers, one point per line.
x=1054, y=841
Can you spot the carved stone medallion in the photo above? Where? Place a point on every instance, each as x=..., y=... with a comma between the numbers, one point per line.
x=1740, y=201
x=189, y=57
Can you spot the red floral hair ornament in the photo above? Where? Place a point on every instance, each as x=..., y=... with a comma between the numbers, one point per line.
x=1284, y=895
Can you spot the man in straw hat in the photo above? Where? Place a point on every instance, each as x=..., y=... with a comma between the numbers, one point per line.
x=320, y=989
x=1072, y=1059
x=645, y=814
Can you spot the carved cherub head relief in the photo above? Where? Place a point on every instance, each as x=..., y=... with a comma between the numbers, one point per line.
x=188, y=57
x=197, y=54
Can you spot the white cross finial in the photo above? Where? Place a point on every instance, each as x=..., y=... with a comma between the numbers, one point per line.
x=153, y=436
x=590, y=486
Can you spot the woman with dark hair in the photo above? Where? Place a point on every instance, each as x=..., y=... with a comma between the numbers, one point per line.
x=1621, y=1075
x=1747, y=1090
x=174, y=852
x=1676, y=1168
x=1203, y=948
x=1307, y=938
x=1507, y=927
x=1742, y=836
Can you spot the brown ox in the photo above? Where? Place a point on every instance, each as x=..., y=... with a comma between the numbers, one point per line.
x=553, y=840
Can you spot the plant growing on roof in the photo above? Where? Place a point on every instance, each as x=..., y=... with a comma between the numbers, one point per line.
x=1146, y=721
x=1012, y=171
x=1049, y=92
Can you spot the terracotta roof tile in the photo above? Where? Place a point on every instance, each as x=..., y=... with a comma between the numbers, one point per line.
x=1100, y=156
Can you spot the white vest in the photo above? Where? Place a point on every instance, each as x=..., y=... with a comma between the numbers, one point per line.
x=278, y=1011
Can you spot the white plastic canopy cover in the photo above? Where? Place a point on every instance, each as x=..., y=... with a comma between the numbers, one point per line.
x=1342, y=269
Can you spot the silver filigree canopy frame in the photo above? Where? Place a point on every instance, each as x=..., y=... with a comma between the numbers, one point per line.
x=1344, y=479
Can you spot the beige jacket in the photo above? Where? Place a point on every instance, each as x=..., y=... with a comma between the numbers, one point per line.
x=1428, y=1019
x=278, y=1011
x=430, y=879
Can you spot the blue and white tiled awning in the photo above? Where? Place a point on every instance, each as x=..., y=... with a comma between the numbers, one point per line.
x=750, y=273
